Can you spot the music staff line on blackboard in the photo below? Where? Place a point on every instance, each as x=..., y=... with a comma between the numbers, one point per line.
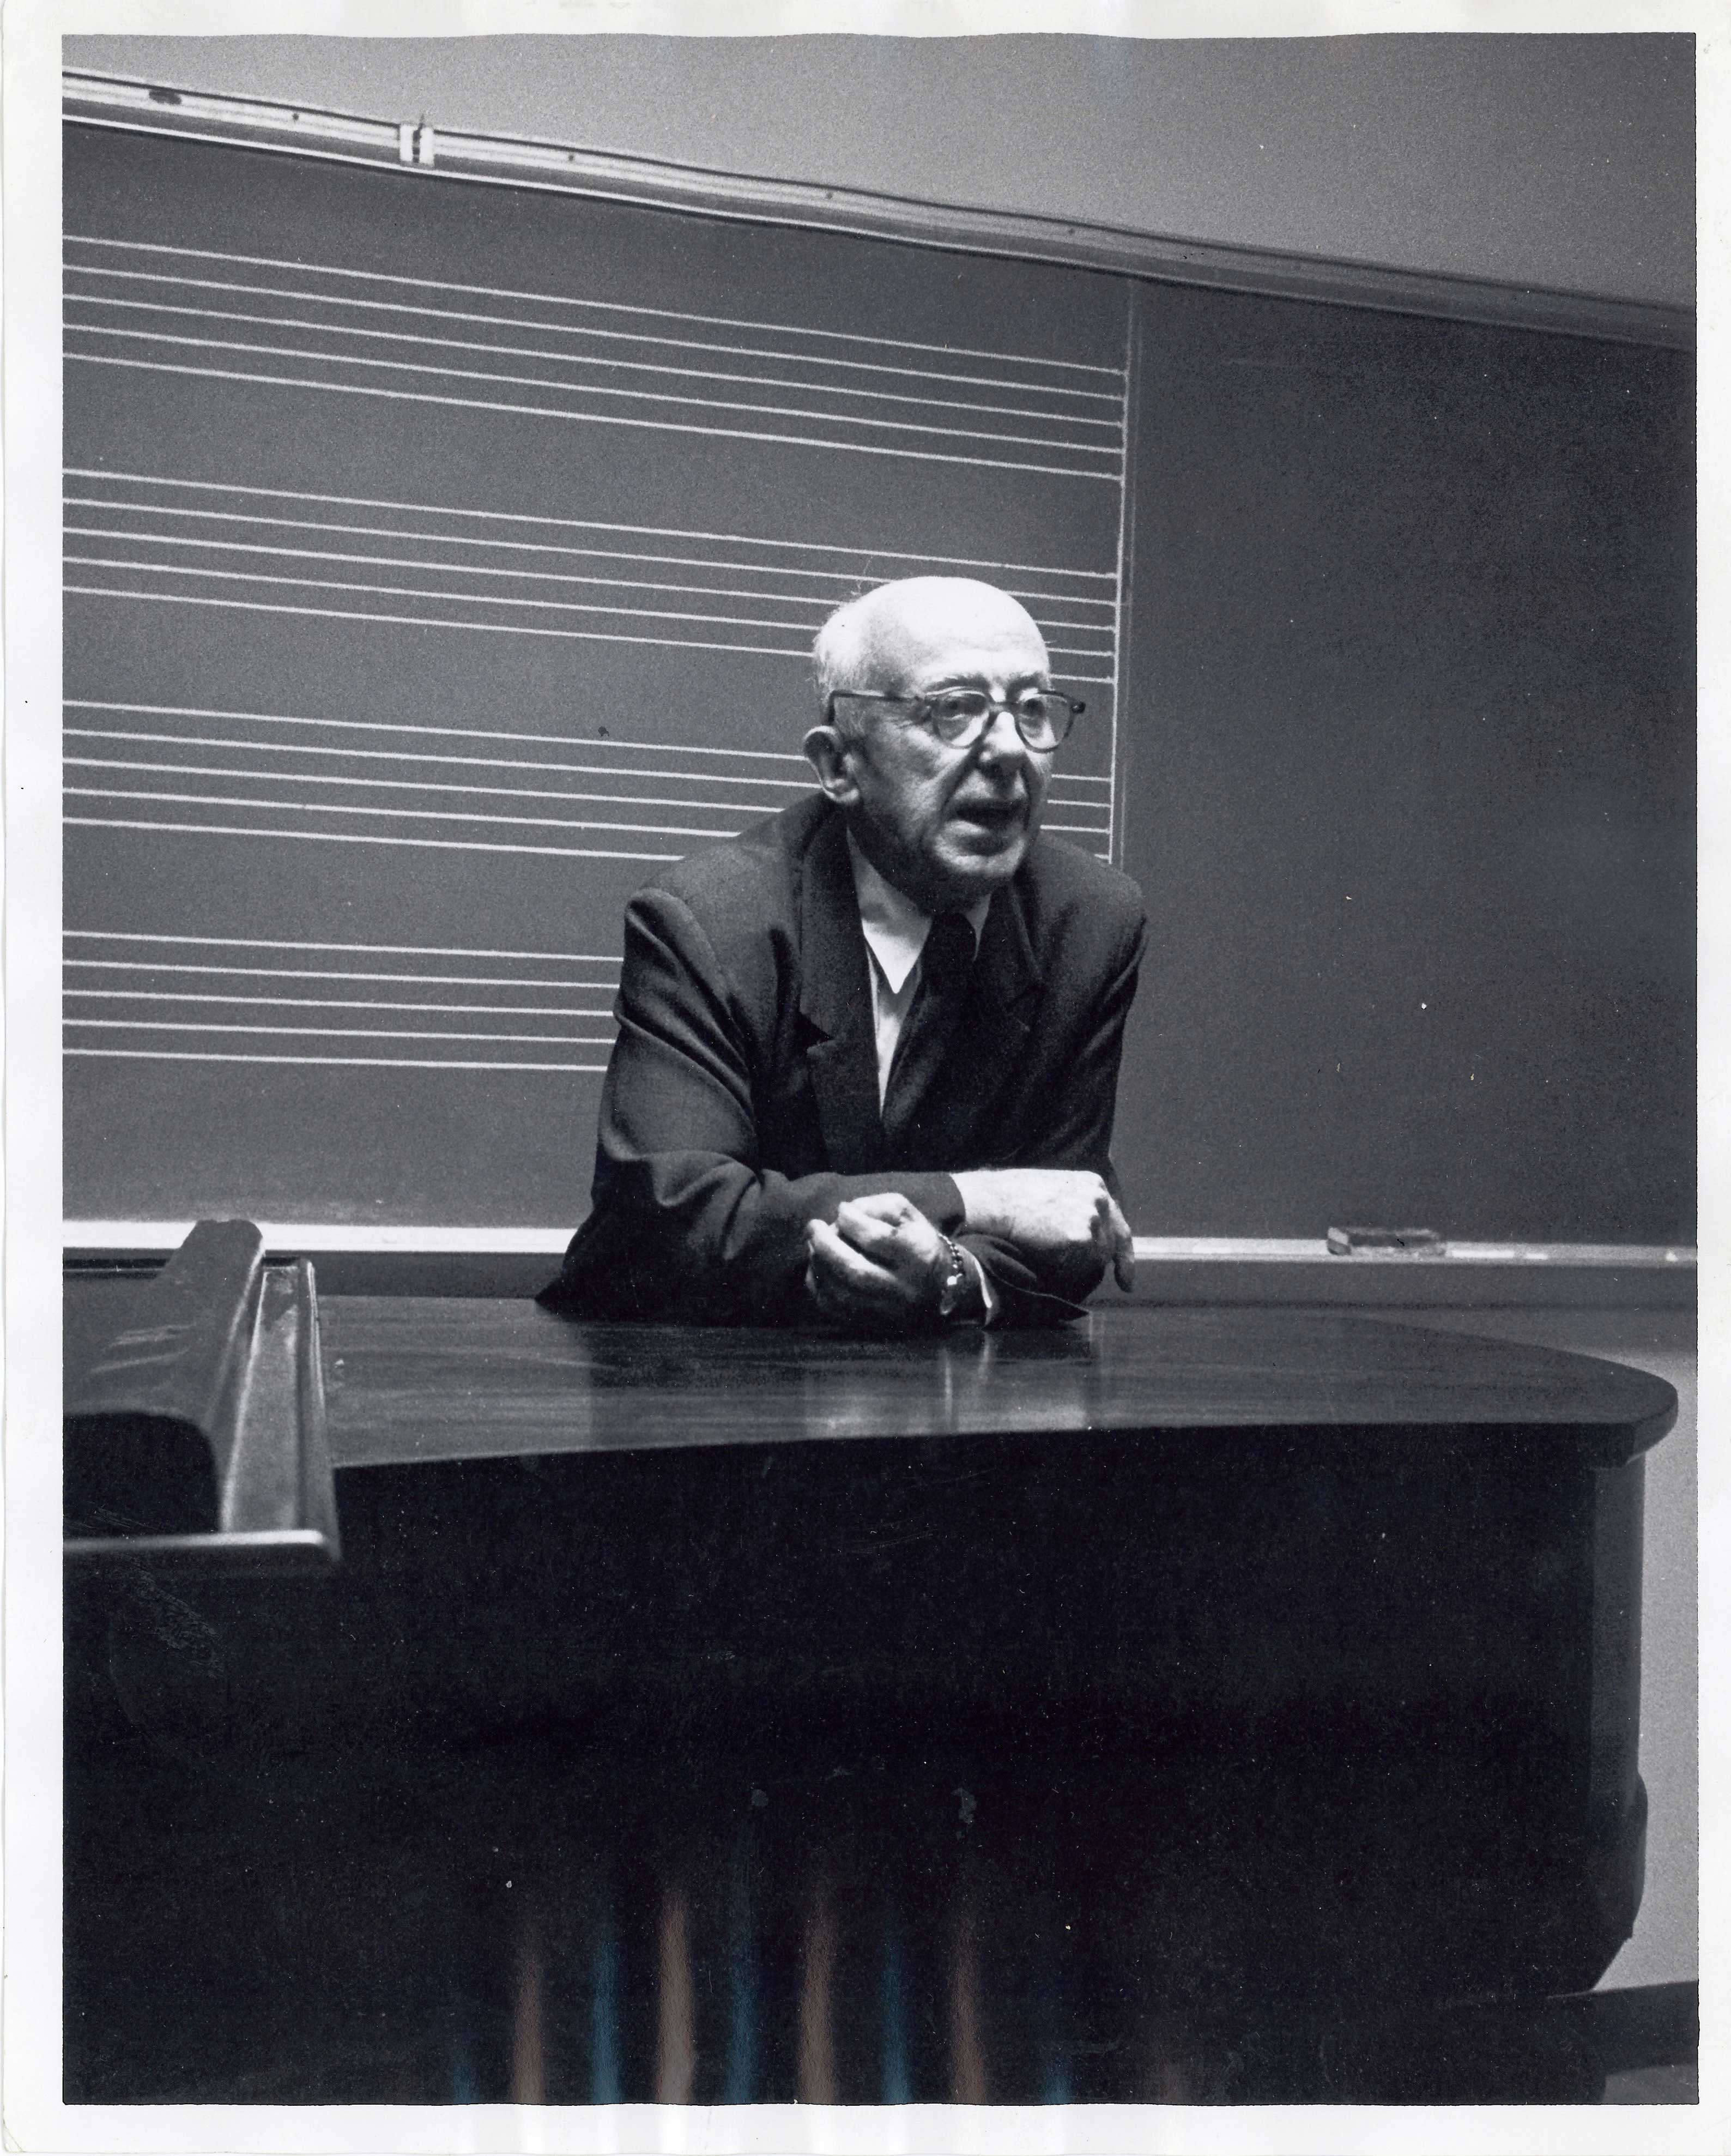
x=869, y=562
x=269, y=973
x=286, y=943
x=791, y=330
x=580, y=360
x=352, y=1062
x=818, y=604
x=446, y=786
x=373, y=838
x=723, y=800
x=708, y=404
x=499, y=405
x=629, y=611
x=364, y=838
x=434, y=621
x=597, y=744
x=671, y=621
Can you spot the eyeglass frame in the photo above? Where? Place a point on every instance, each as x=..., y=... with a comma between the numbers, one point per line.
x=922, y=707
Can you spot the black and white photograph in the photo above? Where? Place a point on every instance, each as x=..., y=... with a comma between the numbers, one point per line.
x=869, y=891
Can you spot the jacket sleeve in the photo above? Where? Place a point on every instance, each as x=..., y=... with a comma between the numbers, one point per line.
x=686, y=1224
x=1033, y=1288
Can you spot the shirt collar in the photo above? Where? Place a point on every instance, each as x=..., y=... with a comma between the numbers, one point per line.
x=895, y=928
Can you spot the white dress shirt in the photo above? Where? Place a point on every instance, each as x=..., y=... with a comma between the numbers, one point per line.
x=895, y=932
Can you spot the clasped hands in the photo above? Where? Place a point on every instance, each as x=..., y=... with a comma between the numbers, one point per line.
x=881, y=1265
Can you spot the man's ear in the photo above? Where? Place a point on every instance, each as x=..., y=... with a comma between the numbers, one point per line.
x=829, y=752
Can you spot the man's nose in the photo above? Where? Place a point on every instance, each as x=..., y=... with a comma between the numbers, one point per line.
x=1002, y=742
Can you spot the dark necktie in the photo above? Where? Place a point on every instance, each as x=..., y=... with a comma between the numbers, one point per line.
x=944, y=966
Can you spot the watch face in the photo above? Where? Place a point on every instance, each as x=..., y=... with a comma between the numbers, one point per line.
x=955, y=1287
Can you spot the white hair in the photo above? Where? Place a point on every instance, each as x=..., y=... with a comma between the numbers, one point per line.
x=842, y=655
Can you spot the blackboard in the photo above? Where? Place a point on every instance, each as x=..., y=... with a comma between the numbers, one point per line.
x=1409, y=782
x=438, y=560
x=441, y=556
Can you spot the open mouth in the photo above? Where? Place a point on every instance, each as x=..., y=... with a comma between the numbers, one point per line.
x=1002, y=816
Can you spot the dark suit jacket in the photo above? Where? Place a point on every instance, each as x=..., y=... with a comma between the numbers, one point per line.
x=741, y=1099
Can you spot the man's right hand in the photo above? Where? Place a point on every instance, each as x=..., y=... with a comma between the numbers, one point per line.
x=879, y=1268
x=1050, y=1211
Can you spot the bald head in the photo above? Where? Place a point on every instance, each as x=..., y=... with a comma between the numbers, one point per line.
x=890, y=638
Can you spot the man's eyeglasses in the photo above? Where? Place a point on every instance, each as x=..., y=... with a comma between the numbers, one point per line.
x=960, y=717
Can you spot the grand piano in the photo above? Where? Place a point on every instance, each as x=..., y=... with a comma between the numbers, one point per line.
x=1192, y=1704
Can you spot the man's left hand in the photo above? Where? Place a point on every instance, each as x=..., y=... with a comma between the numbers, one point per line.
x=879, y=1269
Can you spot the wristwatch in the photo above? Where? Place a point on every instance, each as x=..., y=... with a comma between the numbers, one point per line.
x=957, y=1281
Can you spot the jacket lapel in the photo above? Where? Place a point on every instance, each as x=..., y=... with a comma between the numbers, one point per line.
x=835, y=1002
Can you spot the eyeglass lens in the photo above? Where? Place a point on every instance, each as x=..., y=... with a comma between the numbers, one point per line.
x=1042, y=717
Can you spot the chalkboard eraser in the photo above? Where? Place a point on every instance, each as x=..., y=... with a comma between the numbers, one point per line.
x=1413, y=1242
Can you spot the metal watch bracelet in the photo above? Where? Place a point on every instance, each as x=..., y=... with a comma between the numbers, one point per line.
x=956, y=1282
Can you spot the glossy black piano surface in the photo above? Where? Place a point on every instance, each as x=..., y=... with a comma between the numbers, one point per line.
x=1192, y=1705
x=411, y=1378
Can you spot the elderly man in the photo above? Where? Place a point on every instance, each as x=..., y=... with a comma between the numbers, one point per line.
x=867, y=1052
